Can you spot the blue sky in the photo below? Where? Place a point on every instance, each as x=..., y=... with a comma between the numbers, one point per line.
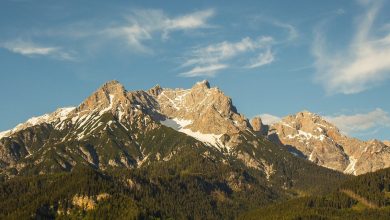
x=273, y=58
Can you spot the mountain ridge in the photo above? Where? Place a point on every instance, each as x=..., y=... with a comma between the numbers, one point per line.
x=313, y=137
x=208, y=115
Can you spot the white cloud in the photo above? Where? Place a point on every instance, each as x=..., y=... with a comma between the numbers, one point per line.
x=263, y=59
x=269, y=119
x=194, y=20
x=144, y=24
x=364, y=64
x=206, y=70
x=212, y=56
x=27, y=48
x=351, y=124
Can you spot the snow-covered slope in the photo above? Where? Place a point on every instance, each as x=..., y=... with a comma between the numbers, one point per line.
x=58, y=116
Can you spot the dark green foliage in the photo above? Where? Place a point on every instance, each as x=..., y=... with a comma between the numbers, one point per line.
x=371, y=188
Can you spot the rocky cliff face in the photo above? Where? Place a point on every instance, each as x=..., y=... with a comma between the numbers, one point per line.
x=310, y=136
x=258, y=126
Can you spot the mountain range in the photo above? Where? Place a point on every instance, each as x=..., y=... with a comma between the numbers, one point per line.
x=158, y=145
x=203, y=113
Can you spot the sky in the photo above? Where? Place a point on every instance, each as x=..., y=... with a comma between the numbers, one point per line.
x=273, y=58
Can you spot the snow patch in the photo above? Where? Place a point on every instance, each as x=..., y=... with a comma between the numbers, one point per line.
x=302, y=135
x=180, y=124
x=110, y=106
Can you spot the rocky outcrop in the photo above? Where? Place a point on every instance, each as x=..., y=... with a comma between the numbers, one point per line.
x=310, y=136
x=88, y=202
x=258, y=126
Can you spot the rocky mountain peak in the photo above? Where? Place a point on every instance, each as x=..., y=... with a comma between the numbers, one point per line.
x=113, y=86
x=202, y=85
x=156, y=90
x=105, y=97
x=202, y=109
x=308, y=122
x=311, y=136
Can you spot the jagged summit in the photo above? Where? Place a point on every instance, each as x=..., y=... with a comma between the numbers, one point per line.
x=321, y=142
x=156, y=90
x=108, y=97
x=113, y=87
x=202, y=84
x=202, y=109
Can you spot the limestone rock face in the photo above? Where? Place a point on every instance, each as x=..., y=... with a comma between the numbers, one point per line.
x=113, y=97
x=310, y=136
x=88, y=202
x=205, y=110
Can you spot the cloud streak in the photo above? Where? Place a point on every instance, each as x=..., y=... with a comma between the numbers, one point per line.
x=361, y=66
x=30, y=49
x=291, y=30
x=362, y=122
x=144, y=25
x=208, y=60
x=264, y=58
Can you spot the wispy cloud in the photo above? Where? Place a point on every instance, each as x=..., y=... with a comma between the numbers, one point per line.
x=264, y=58
x=362, y=122
x=209, y=70
x=30, y=49
x=212, y=58
x=144, y=25
x=364, y=64
x=291, y=31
